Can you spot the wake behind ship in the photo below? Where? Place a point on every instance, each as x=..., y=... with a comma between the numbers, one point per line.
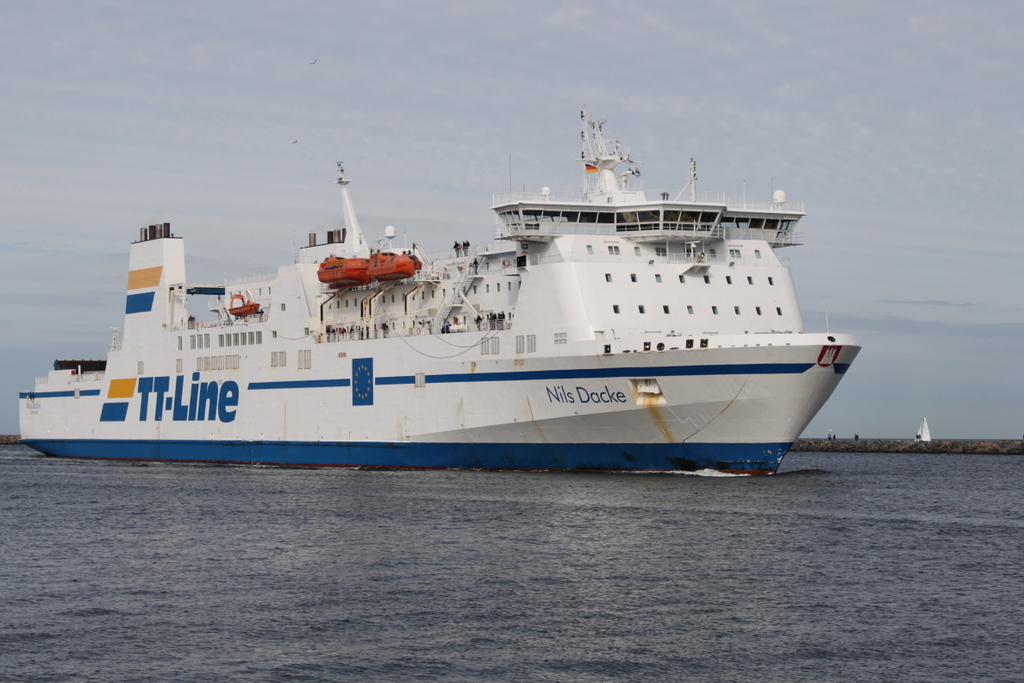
x=609, y=328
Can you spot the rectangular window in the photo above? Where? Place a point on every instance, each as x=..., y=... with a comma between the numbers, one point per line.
x=682, y=279
x=488, y=289
x=177, y=365
x=714, y=309
x=220, y=340
x=278, y=359
x=615, y=308
x=757, y=309
x=305, y=359
x=660, y=251
x=531, y=343
x=750, y=280
x=612, y=249
x=242, y=340
x=499, y=286
x=728, y=279
x=657, y=278
x=707, y=279
x=713, y=254
x=141, y=366
x=779, y=311
x=179, y=343
x=632, y=277
x=689, y=343
x=561, y=338
x=206, y=341
x=192, y=341
x=636, y=251
x=282, y=307
x=607, y=277
x=520, y=343
x=590, y=249
x=689, y=309
x=771, y=281
x=641, y=308
x=665, y=308
x=736, y=310
x=259, y=336
x=757, y=253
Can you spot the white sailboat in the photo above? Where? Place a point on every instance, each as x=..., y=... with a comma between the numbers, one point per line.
x=922, y=432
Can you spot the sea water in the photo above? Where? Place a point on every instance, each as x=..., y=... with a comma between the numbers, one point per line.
x=844, y=567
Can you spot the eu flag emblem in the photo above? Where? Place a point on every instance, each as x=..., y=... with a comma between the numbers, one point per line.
x=362, y=381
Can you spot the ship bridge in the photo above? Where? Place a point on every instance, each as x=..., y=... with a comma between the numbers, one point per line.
x=540, y=216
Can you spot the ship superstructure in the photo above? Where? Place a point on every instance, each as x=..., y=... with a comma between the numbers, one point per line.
x=610, y=328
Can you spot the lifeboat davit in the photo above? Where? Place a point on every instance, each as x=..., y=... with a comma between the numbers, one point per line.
x=344, y=272
x=385, y=265
x=243, y=308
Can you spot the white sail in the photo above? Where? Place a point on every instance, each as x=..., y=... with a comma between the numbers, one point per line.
x=922, y=432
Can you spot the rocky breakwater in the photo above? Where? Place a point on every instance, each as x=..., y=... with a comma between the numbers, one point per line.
x=9, y=438
x=980, y=447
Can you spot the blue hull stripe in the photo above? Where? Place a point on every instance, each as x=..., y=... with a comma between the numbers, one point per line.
x=58, y=394
x=735, y=457
x=300, y=384
x=525, y=375
x=605, y=373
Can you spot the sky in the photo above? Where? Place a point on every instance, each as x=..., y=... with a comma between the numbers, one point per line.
x=898, y=124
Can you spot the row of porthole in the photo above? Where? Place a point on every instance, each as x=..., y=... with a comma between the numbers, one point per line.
x=660, y=346
x=689, y=309
x=682, y=279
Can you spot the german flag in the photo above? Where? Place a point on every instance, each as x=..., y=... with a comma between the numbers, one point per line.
x=591, y=168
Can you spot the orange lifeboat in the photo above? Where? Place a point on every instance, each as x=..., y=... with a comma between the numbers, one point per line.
x=385, y=265
x=243, y=308
x=344, y=272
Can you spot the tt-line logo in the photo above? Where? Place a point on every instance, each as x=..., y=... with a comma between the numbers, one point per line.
x=202, y=401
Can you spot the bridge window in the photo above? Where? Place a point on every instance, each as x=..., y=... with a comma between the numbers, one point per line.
x=665, y=308
x=714, y=310
x=657, y=278
x=607, y=277
x=641, y=308
x=615, y=308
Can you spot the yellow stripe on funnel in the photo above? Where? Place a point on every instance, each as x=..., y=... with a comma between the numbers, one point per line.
x=144, y=277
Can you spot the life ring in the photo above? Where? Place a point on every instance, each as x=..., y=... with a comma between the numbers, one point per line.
x=504, y=263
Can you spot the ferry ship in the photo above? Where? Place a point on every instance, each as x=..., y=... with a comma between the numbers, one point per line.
x=609, y=328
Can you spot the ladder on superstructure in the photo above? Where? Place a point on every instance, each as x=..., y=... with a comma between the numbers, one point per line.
x=458, y=292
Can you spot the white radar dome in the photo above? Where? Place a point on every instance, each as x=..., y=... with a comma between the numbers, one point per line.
x=779, y=196
x=389, y=232
x=545, y=192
